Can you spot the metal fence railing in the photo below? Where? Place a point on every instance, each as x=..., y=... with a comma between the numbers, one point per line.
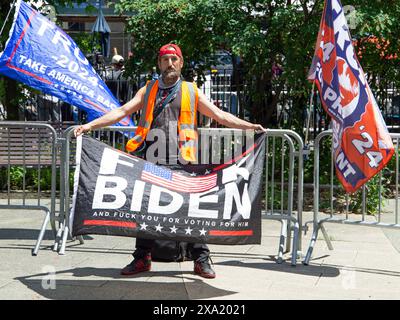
x=284, y=188
x=219, y=87
x=31, y=152
x=28, y=155
x=367, y=201
x=113, y=136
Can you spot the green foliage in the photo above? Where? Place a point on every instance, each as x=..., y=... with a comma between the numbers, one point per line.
x=16, y=176
x=71, y=181
x=383, y=185
x=353, y=202
x=34, y=179
x=263, y=34
x=372, y=190
x=377, y=30
x=324, y=164
x=86, y=42
x=2, y=89
x=280, y=197
x=44, y=180
x=3, y=178
x=155, y=23
x=2, y=96
x=277, y=174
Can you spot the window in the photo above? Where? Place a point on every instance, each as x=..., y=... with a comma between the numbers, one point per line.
x=76, y=26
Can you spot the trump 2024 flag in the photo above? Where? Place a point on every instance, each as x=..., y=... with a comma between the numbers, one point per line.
x=41, y=55
x=122, y=195
x=362, y=144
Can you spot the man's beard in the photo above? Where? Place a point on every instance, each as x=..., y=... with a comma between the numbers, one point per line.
x=170, y=76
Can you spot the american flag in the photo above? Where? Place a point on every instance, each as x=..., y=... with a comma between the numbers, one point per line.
x=177, y=182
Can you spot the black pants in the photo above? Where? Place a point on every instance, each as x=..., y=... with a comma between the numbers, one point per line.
x=198, y=251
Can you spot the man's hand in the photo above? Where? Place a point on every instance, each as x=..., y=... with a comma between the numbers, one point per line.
x=82, y=129
x=259, y=127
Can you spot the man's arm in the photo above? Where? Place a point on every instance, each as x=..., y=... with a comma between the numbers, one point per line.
x=208, y=109
x=115, y=115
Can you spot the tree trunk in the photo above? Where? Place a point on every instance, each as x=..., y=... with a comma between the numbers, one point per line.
x=10, y=99
x=266, y=101
x=272, y=108
x=258, y=108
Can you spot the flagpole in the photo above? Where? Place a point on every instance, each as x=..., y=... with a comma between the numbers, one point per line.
x=309, y=114
x=8, y=15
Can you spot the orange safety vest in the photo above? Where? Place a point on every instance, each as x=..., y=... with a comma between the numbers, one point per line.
x=186, y=122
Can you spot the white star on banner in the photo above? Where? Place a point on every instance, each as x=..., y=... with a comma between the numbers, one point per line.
x=188, y=230
x=173, y=229
x=207, y=171
x=193, y=174
x=203, y=232
x=143, y=226
x=159, y=227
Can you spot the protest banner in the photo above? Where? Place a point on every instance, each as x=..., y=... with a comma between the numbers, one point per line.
x=119, y=194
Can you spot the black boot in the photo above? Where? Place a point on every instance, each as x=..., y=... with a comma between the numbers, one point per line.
x=203, y=269
x=137, y=265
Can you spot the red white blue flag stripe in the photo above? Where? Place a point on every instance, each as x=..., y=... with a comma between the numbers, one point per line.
x=178, y=182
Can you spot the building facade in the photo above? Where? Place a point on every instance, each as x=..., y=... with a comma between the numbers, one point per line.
x=80, y=19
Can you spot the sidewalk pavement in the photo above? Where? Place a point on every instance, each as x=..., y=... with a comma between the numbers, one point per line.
x=365, y=264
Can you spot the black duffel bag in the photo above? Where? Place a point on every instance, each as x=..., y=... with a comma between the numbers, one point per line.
x=170, y=251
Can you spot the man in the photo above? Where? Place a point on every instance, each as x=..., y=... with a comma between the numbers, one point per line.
x=166, y=102
x=117, y=64
x=115, y=79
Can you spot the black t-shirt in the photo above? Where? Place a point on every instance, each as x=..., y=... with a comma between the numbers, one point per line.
x=163, y=134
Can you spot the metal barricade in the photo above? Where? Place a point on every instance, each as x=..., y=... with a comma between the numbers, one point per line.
x=221, y=143
x=284, y=188
x=336, y=192
x=28, y=147
x=111, y=135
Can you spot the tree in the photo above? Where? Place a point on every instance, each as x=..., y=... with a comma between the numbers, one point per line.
x=377, y=44
x=265, y=34
x=154, y=23
x=274, y=33
x=8, y=87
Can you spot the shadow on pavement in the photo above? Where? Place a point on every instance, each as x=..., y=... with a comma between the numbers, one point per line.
x=70, y=249
x=24, y=234
x=271, y=265
x=28, y=234
x=114, y=286
x=391, y=273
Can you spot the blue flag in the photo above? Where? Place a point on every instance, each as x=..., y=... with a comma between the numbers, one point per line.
x=41, y=55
